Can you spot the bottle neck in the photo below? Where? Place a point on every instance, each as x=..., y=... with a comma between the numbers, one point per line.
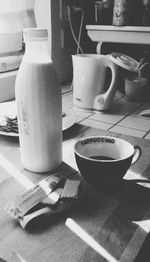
x=37, y=50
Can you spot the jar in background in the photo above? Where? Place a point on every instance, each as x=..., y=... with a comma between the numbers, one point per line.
x=136, y=88
x=121, y=12
x=145, y=13
x=127, y=12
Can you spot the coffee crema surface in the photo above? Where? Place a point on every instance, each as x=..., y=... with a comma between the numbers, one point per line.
x=98, y=157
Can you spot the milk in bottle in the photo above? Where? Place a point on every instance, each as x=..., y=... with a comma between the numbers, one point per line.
x=39, y=105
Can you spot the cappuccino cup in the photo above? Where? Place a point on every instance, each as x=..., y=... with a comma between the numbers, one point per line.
x=104, y=160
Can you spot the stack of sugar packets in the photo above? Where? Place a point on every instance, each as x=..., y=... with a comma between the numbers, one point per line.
x=48, y=197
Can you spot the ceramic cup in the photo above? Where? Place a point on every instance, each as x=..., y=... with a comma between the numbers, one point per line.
x=103, y=160
x=136, y=88
x=90, y=90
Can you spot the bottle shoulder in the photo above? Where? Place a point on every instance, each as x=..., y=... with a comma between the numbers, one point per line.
x=39, y=72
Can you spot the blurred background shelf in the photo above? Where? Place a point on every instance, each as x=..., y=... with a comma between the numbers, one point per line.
x=122, y=34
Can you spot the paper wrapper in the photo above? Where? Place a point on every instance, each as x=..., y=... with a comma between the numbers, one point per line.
x=43, y=199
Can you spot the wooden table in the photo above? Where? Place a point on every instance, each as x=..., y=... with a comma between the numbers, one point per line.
x=118, y=220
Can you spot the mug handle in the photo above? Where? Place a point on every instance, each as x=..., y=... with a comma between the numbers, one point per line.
x=136, y=155
x=102, y=101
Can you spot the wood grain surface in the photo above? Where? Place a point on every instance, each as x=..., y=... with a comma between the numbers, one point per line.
x=119, y=219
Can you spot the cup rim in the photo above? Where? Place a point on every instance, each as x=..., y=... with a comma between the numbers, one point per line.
x=136, y=79
x=102, y=160
x=89, y=55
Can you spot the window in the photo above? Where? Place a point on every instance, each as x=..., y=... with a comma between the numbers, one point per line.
x=56, y=16
x=14, y=16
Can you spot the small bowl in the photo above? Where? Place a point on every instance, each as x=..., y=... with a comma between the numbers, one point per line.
x=103, y=160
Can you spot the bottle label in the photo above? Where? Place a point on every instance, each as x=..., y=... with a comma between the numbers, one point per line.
x=22, y=119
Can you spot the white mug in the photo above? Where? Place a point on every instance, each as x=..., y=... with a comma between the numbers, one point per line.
x=89, y=78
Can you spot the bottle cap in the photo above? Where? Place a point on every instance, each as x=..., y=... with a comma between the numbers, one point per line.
x=124, y=61
x=35, y=34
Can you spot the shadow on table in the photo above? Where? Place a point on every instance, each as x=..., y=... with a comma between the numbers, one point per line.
x=133, y=202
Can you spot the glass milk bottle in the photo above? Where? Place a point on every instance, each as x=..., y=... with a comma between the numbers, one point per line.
x=39, y=105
